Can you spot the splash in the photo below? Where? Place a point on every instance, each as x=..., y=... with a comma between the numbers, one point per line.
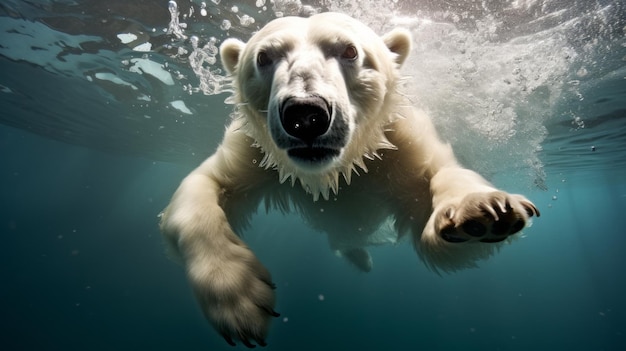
x=202, y=60
x=175, y=26
x=487, y=97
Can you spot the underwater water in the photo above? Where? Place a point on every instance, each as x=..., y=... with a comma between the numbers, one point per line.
x=106, y=105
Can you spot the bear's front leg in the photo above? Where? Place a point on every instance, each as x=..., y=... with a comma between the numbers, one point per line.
x=233, y=288
x=467, y=209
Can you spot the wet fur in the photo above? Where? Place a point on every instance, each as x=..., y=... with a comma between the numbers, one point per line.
x=398, y=173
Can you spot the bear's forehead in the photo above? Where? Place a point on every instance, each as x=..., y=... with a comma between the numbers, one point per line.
x=321, y=28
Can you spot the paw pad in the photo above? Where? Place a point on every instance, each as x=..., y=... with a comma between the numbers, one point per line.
x=474, y=228
x=485, y=217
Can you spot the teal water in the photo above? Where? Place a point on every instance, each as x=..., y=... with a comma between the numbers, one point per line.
x=87, y=165
x=83, y=268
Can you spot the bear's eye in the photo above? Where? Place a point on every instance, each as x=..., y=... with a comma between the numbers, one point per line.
x=350, y=53
x=262, y=59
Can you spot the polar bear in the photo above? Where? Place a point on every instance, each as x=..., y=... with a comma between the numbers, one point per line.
x=321, y=128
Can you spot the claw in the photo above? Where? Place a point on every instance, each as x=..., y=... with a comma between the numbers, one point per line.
x=492, y=212
x=270, y=284
x=534, y=210
x=531, y=210
x=450, y=213
x=269, y=311
x=502, y=206
x=274, y=313
x=248, y=344
x=228, y=339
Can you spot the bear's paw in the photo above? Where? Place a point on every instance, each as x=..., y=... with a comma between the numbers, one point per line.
x=236, y=294
x=486, y=217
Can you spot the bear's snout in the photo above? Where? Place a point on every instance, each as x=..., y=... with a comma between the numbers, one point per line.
x=305, y=118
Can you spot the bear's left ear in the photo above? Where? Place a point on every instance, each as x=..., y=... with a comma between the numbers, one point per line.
x=230, y=52
x=399, y=42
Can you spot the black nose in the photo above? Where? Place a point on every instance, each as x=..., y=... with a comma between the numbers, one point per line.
x=305, y=118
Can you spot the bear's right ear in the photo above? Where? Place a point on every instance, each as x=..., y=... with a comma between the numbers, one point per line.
x=230, y=52
x=399, y=42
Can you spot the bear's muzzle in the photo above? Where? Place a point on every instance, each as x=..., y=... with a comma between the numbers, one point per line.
x=305, y=118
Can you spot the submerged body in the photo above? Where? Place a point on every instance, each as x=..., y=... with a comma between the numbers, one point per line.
x=321, y=128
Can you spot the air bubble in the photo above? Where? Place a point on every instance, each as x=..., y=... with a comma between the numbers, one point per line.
x=246, y=20
x=225, y=25
x=308, y=11
x=173, y=7
x=194, y=42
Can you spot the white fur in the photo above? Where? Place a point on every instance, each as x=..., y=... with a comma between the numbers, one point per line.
x=392, y=169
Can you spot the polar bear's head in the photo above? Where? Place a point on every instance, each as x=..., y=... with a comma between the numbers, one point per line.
x=316, y=94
